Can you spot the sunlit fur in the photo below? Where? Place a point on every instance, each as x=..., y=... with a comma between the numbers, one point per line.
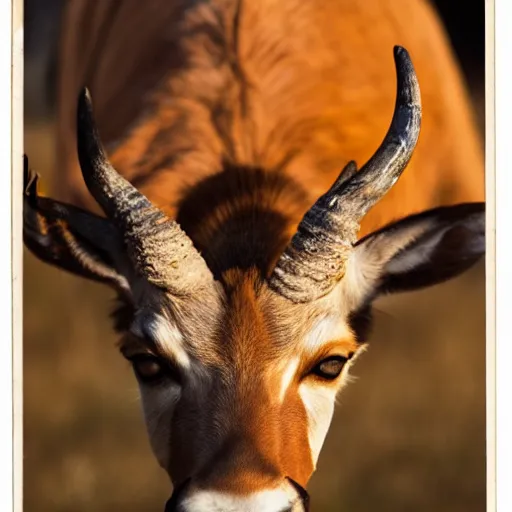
x=234, y=118
x=247, y=398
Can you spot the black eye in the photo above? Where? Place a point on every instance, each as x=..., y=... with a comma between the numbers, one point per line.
x=148, y=368
x=330, y=368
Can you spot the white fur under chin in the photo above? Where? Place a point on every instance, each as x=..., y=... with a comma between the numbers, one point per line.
x=273, y=500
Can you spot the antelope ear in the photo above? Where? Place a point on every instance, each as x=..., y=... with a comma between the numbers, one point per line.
x=419, y=251
x=71, y=238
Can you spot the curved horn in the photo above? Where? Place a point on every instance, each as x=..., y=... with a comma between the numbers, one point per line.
x=160, y=250
x=316, y=257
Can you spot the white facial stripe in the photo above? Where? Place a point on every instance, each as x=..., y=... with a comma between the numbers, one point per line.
x=289, y=373
x=158, y=403
x=319, y=400
x=319, y=404
x=164, y=334
x=158, y=406
x=325, y=330
x=264, y=501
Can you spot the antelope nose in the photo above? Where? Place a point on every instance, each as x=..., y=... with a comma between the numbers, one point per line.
x=288, y=497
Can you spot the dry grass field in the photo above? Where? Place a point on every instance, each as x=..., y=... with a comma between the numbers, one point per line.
x=408, y=434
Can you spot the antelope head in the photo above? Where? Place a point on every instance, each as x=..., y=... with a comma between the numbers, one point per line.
x=239, y=375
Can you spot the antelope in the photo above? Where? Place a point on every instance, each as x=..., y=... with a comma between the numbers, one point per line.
x=245, y=264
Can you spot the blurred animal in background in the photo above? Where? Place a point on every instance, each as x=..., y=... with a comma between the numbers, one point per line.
x=245, y=263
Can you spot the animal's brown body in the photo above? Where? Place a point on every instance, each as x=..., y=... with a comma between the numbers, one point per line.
x=233, y=118
x=303, y=86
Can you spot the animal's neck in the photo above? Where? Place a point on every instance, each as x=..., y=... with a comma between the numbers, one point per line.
x=242, y=217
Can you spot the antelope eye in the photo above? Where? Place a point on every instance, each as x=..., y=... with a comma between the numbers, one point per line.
x=148, y=368
x=330, y=368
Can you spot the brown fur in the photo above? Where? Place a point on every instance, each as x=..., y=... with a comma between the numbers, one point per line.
x=231, y=431
x=244, y=426
x=242, y=217
x=234, y=118
x=200, y=116
x=310, y=120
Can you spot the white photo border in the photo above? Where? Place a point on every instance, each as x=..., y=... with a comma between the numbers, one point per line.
x=490, y=257
x=6, y=288
x=503, y=268
x=11, y=183
x=498, y=254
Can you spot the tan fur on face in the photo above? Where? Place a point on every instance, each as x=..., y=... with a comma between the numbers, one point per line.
x=254, y=414
x=244, y=424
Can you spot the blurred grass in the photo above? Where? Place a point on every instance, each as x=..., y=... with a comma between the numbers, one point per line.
x=409, y=434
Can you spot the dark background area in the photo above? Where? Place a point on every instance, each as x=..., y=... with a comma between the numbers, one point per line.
x=409, y=433
x=464, y=20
